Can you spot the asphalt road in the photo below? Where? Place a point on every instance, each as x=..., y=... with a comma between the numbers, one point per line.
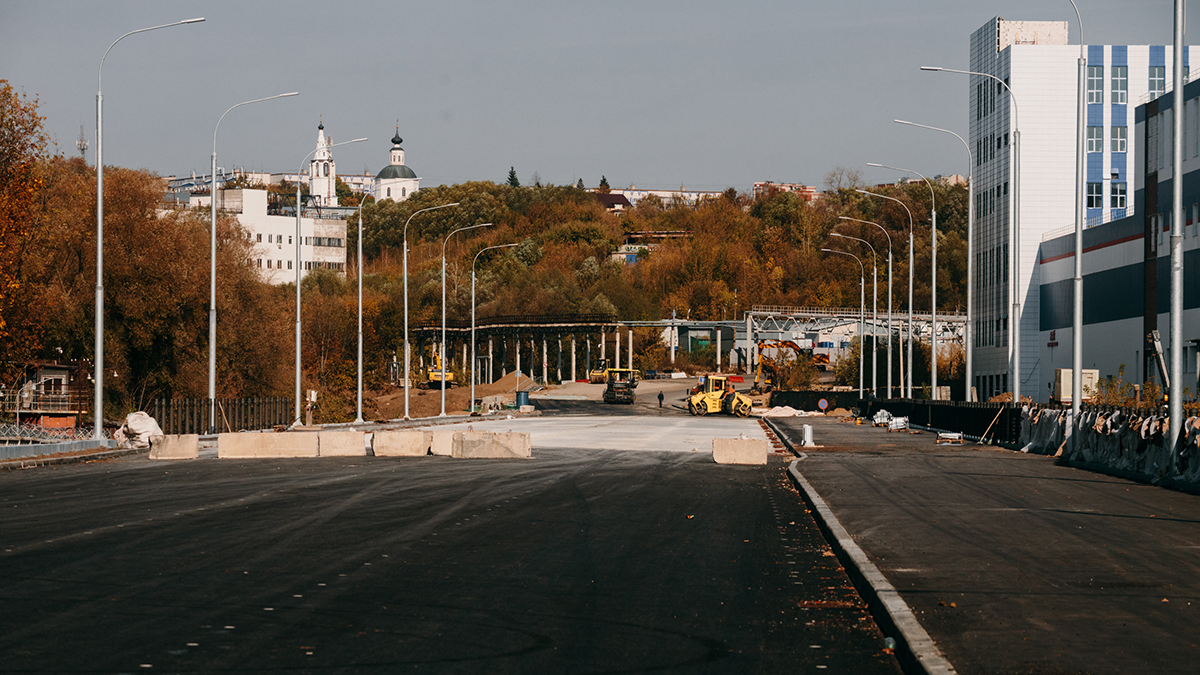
x=576, y=561
x=1012, y=563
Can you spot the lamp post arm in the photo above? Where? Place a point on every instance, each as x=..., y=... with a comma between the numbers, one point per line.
x=100, y=72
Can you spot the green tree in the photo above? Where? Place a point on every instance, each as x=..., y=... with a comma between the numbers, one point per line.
x=580, y=184
x=513, y=181
x=603, y=189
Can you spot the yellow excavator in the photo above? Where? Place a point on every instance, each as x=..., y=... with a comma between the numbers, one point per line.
x=764, y=382
x=438, y=377
x=714, y=394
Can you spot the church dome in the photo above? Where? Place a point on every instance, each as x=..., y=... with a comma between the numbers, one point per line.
x=395, y=171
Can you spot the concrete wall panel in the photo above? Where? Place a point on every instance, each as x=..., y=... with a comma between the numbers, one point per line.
x=402, y=443
x=341, y=444
x=740, y=451
x=492, y=445
x=443, y=442
x=286, y=444
x=176, y=446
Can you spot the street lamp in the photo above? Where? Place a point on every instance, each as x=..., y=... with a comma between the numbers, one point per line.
x=1014, y=234
x=862, y=311
x=406, y=348
x=933, y=290
x=473, y=261
x=970, y=248
x=1080, y=178
x=909, y=393
x=889, y=240
x=874, y=308
x=361, y=203
x=442, y=351
x=98, y=403
x=212, y=268
x=298, y=172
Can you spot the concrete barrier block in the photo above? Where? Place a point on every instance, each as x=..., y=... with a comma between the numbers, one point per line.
x=286, y=444
x=442, y=443
x=175, y=446
x=341, y=444
x=402, y=443
x=491, y=445
x=740, y=450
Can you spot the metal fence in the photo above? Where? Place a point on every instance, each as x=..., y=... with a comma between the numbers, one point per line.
x=192, y=415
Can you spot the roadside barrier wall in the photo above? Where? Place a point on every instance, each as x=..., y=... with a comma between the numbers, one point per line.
x=739, y=450
x=1123, y=442
x=175, y=446
x=273, y=445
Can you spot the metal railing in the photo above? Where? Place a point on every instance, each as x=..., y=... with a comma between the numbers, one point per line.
x=192, y=415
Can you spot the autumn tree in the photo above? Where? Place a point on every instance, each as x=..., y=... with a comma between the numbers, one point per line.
x=22, y=147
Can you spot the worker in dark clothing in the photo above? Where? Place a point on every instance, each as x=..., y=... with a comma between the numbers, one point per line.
x=660, y=399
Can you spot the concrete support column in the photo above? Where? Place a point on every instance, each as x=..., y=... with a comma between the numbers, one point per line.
x=545, y=354
x=517, y=344
x=559, y=369
x=631, y=347
x=603, y=342
x=718, y=349
x=617, y=351
x=491, y=364
x=574, y=375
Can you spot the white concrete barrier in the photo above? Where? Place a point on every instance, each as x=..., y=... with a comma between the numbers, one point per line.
x=182, y=446
x=442, y=443
x=341, y=444
x=492, y=445
x=402, y=443
x=739, y=450
x=285, y=444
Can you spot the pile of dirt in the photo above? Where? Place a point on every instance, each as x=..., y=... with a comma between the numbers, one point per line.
x=428, y=402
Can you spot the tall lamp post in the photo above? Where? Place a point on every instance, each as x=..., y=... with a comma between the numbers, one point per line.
x=1175, y=404
x=1077, y=281
x=212, y=269
x=442, y=351
x=298, y=210
x=889, y=240
x=361, y=203
x=862, y=311
x=98, y=402
x=874, y=307
x=909, y=393
x=407, y=351
x=473, y=352
x=1014, y=233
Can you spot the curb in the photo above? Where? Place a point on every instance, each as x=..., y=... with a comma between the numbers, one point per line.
x=32, y=462
x=915, y=650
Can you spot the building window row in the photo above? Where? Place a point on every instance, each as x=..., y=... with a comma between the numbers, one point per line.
x=317, y=265
x=274, y=264
x=987, y=147
x=1119, y=139
x=1156, y=83
x=1118, y=195
x=331, y=242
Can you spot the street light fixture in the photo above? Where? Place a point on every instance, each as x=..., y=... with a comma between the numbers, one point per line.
x=1014, y=235
x=909, y=393
x=212, y=269
x=407, y=351
x=889, y=240
x=1077, y=281
x=98, y=403
x=874, y=309
x=298, y=210
x=473, y=357
x=862, y=311
x=442, y=352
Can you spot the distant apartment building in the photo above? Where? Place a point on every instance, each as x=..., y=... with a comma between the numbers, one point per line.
x=1036, y=61
x=668, y=197
x=806, y=192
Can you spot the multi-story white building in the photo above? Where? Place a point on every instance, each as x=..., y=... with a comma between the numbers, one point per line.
x=1036, y=61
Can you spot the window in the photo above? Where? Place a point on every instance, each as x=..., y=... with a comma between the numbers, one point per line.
x=1095, y=139
x=289, y=264
x=268, y=264
x=389, y=193
x=1118, y=196
x=1158, y=80
x=403, y=192
x=279, y=264
x=259, y=238
x=260, y=263
x=326, y=170
x=289, y=238
x=1119, y=135
x=1095, y=84
x=1120, y=84
x=1095, y=196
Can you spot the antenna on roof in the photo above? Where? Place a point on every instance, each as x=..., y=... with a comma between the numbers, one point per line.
x=82, y=143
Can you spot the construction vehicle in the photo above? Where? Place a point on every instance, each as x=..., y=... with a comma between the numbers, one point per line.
x=764, y=382
x=620, y=385
x=713, y=394
x=437, y=377
x=597, y=375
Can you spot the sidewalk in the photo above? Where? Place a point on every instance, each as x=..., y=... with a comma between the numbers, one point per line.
x=1012, y=563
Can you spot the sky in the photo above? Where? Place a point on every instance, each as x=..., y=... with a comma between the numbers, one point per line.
x=698, y=94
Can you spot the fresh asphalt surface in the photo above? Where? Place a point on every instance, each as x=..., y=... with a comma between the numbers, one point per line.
x=620, y=560
x=1012, y=563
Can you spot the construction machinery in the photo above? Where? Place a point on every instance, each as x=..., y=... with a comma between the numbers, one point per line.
x=768, y=380
x=597, y=375
x=713, y=394
x=437, y=377
x=620, y=385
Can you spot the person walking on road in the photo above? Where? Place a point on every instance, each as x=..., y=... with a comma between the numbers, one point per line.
x=660, y=399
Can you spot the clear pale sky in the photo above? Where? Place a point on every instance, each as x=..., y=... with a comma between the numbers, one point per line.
x=702, y=94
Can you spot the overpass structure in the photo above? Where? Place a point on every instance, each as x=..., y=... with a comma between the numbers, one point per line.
x=530, y=343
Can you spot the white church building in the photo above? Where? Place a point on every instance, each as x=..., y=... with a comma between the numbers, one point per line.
x=396, y=181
